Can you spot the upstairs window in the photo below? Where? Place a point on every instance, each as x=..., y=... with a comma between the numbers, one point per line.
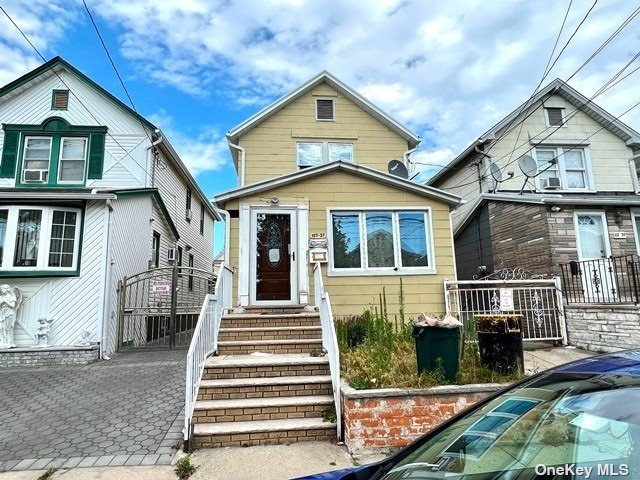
x=325, y=109
x=316, y=153
x=60, y=100
x=155, y=250
x=554, y=116
x=570, y=172
x=202, y=219
x=37, y=155
x=188, y=212
x=73, y=158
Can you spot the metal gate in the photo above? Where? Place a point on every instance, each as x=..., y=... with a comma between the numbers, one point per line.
x=538, y=300
x=159, y=308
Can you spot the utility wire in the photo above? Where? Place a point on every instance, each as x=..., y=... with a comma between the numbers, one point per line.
x=115, y=69
x=126, y=152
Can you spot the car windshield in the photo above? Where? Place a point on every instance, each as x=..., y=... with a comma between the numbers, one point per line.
x=565, y=420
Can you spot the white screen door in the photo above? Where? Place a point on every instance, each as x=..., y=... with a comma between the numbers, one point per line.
x=598, y=276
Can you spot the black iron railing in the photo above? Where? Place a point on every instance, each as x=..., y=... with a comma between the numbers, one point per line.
x=604, y=280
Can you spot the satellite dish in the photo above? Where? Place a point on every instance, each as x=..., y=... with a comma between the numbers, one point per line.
x=398, y=169
x=496, y=173
x=528, y=166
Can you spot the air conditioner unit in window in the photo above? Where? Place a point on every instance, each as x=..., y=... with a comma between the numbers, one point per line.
x=550, y=183
x=188, y=215
x=171, y=255
x=35, y=176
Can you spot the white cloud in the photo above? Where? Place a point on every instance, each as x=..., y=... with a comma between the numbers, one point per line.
x=206, y=151
x=448, y=69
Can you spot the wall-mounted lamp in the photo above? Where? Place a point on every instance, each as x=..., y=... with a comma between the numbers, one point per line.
x=274, y=200
x=556, y=209
x=187, y=247
x=617, y=217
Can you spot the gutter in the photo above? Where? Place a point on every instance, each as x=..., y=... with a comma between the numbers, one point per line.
x=405, y=156
x=241, y=163
x=108, y=269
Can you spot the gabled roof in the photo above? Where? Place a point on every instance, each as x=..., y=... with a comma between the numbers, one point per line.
x=57, y=63
x=340, y=166
x=556, y=87
x=324, y=77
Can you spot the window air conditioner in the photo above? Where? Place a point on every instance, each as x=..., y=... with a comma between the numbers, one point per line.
x=35, y=176
x=188, y=215
x=171, y=255
x=551, y=183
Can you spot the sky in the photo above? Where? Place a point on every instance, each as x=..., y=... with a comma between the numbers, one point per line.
x=448, y=70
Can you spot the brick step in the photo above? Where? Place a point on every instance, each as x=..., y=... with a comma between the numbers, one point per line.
x=249, y=366
x=269, y=333
x=253, y=320
x=269, y=346
x=254, y=409
x=229, y=388
x=265, y=432
x=276, y=309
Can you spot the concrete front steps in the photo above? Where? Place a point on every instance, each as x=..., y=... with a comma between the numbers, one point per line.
x=259, y=400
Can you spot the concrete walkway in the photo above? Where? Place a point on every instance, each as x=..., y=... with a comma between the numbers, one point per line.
x=125, y=411
x=540, y=356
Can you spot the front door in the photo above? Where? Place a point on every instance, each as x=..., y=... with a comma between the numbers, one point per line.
x=598, y=277
x=274, y=257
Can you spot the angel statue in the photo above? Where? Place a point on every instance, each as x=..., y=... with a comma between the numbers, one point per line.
x=10, y=300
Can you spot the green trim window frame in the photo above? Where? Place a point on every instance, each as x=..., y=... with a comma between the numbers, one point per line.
x=380, y=241
x=40, y=240
x=53, y=154
x=312, y=153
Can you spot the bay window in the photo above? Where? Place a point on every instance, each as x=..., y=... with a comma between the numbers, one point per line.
x=571, y=168
x=34, y=239
x=379, y=241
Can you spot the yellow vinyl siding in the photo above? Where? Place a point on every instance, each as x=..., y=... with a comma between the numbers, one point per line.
x=351, y=294
x=271, y=146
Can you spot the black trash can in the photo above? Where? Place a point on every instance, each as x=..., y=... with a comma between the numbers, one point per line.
x=500, y=342
x=436, y=346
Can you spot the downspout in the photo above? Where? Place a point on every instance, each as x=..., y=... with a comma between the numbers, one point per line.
x=227, y=231
x=153, y=157
x=405, y=156
x=453, y=244
x=108, y=269
x=241, y=162
x=634, y=173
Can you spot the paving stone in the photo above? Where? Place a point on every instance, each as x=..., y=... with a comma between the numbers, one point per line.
x=25, y=464
x=150, y=459
x=119, y=460
x=87, y=462
x=41, y=464
x=104, y=460
x=72, y=462
x=134, y=460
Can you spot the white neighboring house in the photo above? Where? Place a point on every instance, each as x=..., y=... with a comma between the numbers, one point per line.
x=90, y=191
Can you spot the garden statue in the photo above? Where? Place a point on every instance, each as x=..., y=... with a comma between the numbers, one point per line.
x=10, y=300
x=84, y=340
x=42, y=332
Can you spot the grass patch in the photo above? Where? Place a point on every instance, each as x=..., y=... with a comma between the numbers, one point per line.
x=376, y=352
x=184, y=468
x=48, y=474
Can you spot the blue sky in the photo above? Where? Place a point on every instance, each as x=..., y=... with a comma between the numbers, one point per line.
x=448, y=70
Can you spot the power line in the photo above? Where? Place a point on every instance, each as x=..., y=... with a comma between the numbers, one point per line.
x=115, y=69
x=126, y=152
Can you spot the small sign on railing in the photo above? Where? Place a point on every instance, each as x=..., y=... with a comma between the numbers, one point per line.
x=161, y=287
x=506, y=299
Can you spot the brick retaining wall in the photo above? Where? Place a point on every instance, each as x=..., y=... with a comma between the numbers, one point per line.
x=385, y=419
x=31, y=357
x=603, y=328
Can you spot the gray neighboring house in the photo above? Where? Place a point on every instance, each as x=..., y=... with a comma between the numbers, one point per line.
x=580, y=208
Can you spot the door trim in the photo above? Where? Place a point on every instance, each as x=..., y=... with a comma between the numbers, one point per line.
x=605, y=232
x=293, y=250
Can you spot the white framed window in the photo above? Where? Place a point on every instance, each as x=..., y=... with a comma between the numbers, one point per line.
x=325, y=109
x=635, y=219
x=36, y=159
x=310, y=154
x=73, y=159
x=36, y=238
x=554, y=117
x=572, y=168
x=380, y=241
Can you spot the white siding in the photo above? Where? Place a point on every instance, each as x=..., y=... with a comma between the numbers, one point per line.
x=72, y=302
x=173, y=190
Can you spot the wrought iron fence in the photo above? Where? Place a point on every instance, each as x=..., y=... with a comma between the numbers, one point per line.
x=603, y=280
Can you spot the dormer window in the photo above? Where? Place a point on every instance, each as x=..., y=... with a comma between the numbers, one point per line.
x=324, y=109
x=316, y=153
x=60, y=100
x=554, y=116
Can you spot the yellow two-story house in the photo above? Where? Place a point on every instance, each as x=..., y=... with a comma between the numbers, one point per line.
x=315, y=188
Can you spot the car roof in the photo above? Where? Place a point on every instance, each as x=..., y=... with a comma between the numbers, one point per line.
x=619, y=363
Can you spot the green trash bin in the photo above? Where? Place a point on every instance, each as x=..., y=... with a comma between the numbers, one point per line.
x=433, y=343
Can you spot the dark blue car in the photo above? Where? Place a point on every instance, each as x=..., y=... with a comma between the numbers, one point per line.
x=580, y=420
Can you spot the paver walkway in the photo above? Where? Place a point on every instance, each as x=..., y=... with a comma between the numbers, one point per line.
x=125, y=411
